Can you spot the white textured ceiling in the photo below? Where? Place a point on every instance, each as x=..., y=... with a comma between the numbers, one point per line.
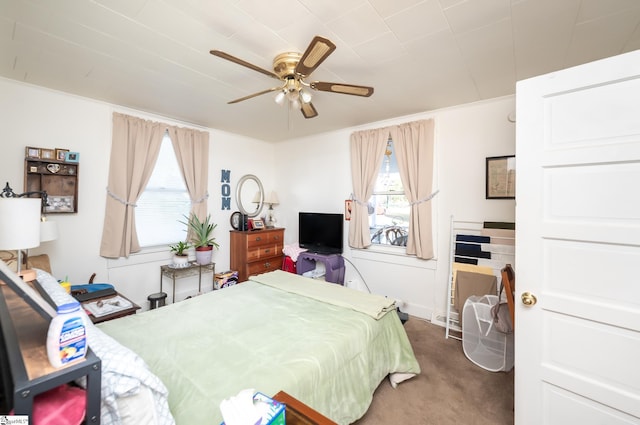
x=153, y=55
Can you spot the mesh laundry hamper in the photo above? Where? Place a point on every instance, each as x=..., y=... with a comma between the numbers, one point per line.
x=482, y=343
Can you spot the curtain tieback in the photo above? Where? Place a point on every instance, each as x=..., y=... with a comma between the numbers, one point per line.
x=428, y=198
x=358, y=201
x=119, y=199
x=202, y=199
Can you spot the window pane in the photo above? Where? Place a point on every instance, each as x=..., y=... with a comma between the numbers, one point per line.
x=164, y=202
x=388, y=207
x=388, y=177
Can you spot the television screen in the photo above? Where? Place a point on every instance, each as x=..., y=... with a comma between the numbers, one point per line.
x=321, y=232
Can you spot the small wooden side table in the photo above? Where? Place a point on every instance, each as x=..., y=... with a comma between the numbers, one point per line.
x=127, y=311
x=299, y=413
x=191, y=270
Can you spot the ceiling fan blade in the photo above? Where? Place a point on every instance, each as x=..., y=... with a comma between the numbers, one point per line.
x=308, y=110
x=342, y=88
x=234, y=59
x=319, y=49
x=255, y=94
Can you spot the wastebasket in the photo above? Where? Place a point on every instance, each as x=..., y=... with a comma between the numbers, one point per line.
x=482, y=343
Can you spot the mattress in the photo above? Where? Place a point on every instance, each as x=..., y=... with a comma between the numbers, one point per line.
x=327, y=345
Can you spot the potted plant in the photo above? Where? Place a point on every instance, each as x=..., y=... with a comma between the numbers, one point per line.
x=180, y=257
x=202, y=237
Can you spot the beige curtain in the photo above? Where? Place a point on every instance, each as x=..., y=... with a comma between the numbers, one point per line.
x=134, y=150
x=192, y=150
x=367, y=151
x=413, y=143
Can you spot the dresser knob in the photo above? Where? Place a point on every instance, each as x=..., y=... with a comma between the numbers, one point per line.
x=267, y=265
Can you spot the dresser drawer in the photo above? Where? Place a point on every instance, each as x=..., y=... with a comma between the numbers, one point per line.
x=264, y=252
x=264, y=266
x=259, y=238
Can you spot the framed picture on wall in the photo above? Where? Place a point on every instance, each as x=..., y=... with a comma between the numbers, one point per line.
x=348, y=204
x=47, y=153
x=58, y=204
x=61, y=154
x=71, y=156
x=501, y=177
x=33, y=152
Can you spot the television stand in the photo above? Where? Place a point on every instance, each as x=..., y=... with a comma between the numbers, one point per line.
x=333, y=263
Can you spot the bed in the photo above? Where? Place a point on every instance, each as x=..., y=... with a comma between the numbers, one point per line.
x=326, y=345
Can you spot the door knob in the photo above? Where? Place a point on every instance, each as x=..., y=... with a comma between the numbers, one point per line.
x=528, y=299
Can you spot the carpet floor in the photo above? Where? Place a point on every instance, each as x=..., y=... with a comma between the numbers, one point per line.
x=449, y=390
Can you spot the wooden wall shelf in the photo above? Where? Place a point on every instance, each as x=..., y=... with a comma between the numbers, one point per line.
x=58, y=178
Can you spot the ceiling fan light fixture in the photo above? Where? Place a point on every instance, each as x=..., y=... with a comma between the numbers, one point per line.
x=280, y=97
x=305, y=96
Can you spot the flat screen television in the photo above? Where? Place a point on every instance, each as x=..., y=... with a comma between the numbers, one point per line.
x=320, y=232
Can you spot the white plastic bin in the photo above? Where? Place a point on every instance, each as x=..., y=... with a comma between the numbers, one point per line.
x=482, y=343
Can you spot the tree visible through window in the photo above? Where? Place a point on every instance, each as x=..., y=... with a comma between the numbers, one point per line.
x=164, y=202
x=389, y=209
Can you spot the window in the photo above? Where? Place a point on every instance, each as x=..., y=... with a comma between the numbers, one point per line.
x=389, y=209
x=164, y=202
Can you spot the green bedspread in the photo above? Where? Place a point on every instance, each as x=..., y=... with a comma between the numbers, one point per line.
x=265, y=337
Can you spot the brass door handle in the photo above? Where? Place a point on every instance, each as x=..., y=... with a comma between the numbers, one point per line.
x=528, y=299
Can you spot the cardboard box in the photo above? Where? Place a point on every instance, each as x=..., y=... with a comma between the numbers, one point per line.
x=225, y=279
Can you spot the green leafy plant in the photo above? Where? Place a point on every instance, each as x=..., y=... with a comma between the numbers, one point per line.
x=202, y=231
x=180, y=248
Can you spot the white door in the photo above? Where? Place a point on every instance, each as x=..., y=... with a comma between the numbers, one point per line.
x=578, y=245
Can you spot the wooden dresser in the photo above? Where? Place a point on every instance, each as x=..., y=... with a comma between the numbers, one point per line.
x=255, y=252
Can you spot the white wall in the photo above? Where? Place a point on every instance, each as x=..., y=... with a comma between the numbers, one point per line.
x=311, y=174
x=34, y=116
x=314, y=175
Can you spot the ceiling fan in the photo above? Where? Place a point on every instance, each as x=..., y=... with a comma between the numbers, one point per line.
x=292, y=69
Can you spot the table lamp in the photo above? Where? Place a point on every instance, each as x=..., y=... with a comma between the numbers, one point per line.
x=271, y=200
x=20, y=225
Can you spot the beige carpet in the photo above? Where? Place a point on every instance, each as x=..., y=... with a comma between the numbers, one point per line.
x=450, y=389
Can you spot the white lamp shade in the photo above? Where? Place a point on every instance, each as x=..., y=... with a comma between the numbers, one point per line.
x=19, y=223
x=272, y=198
x=48, y=231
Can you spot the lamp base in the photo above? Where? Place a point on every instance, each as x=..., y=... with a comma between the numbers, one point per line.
x=27, y=275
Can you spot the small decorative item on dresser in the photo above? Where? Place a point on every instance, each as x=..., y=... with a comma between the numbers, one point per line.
x=61, y=154
x=72, y=157
x=256, y=224
x=235, y=220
